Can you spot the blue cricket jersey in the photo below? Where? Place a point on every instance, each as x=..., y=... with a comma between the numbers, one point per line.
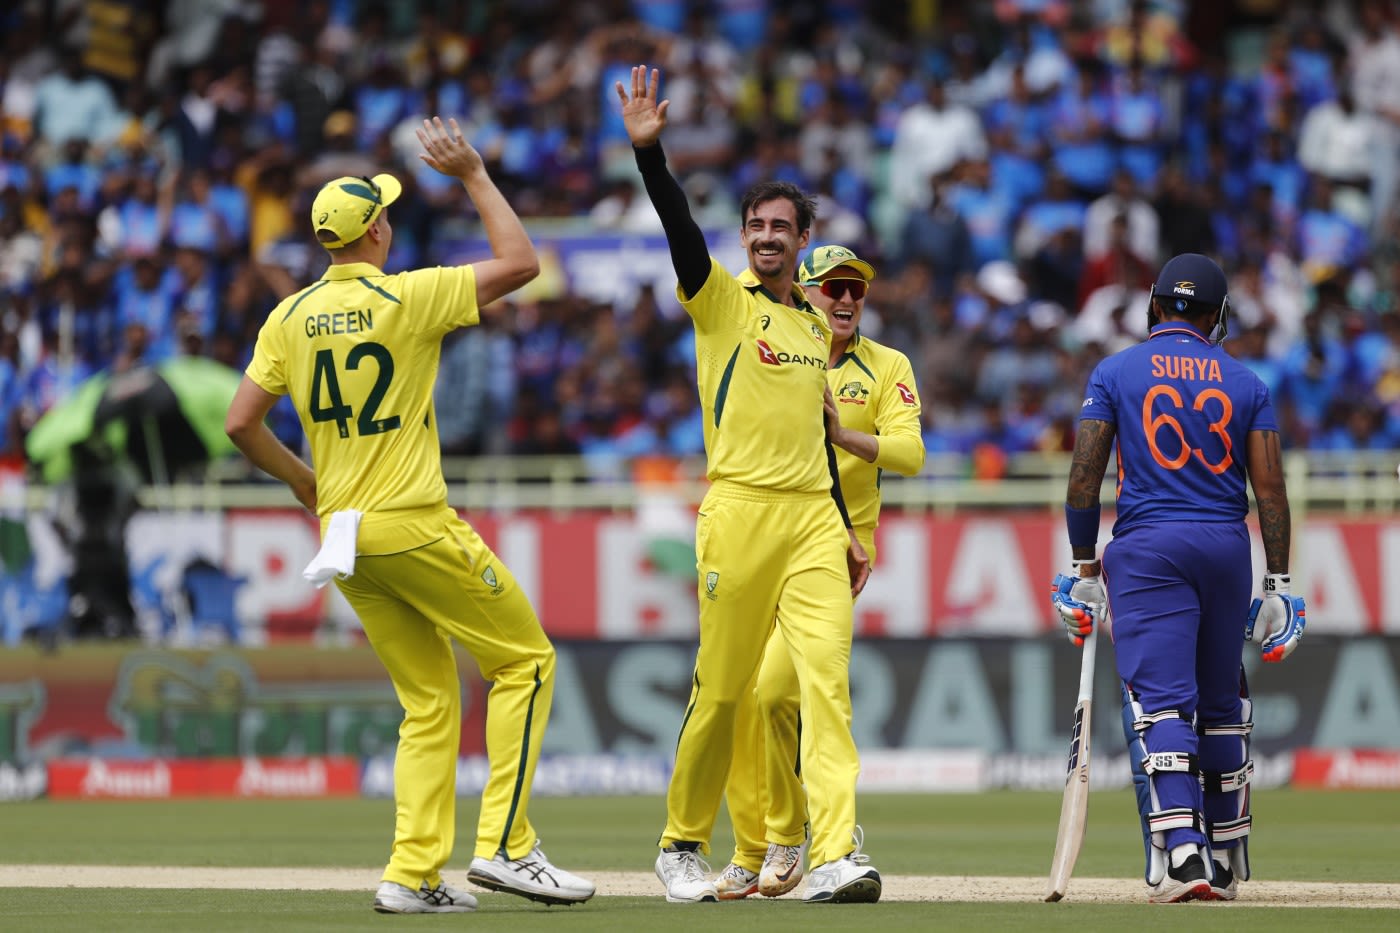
x=1182, y=409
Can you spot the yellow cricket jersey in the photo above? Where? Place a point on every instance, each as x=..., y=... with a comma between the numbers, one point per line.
x=873, y=386
x=358, y=352
x=761, y=369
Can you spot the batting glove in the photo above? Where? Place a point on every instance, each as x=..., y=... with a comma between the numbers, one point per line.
x=1276, y=619
x=1079, y=601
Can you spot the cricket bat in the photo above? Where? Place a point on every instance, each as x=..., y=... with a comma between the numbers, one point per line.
x=1074, y=806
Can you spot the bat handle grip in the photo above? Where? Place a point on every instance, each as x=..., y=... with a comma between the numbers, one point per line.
x=1086, y=664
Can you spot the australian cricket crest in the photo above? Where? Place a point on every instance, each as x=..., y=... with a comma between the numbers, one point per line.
x=488, y=576
x=854, y=393
x=711, y=584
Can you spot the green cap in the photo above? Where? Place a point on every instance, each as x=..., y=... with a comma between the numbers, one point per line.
x=823, y=259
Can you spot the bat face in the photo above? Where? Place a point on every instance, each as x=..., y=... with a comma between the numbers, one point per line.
x=1074, y=806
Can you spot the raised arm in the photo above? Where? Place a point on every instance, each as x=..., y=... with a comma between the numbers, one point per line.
x=514, y=261
x=644, y=119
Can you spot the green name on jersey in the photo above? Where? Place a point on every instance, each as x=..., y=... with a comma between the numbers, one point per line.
x=339, y=322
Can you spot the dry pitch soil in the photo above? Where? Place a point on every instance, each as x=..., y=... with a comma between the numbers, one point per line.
x=1261, y=893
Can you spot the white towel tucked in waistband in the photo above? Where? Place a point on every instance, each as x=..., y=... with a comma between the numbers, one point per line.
x=337, y=554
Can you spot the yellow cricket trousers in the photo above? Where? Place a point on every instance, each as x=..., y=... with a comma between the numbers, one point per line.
x=412, y=605
x=767, y=559
x=765, y=797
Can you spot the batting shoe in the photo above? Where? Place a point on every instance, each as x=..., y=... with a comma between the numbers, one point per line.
x=1224, y=886
x=1186, y=882
x=683, y=872
x=850, y=879
x=392, y=898
x=782, y=869
x=531, y=876
x=736, y=883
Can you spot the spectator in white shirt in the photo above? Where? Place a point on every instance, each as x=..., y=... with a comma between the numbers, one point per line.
x=1123, y=198
x=930, y=138
x=1375, y=71
x=1337, y=141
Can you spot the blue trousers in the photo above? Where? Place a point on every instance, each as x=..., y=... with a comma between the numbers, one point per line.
x=1179, y=597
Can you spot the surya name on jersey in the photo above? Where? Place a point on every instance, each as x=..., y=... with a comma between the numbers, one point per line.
x=1186, y=367
x=339, y=322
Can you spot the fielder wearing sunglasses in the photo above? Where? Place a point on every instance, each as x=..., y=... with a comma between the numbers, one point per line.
x=838, y=288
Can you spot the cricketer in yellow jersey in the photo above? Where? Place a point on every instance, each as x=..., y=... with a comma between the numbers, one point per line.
x=358, y=353
x=875, y=408
x=772, y=549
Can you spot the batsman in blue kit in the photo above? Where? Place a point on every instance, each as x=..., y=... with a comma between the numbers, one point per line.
x=1192, y=426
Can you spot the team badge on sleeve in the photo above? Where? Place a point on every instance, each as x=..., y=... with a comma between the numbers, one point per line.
x=906, y=395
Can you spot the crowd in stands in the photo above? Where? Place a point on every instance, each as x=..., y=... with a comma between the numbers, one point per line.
x=1016, y=171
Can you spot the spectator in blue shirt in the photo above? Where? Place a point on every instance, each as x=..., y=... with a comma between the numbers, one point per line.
x=1324, y=237
x=939, y=238
x=1078, y=124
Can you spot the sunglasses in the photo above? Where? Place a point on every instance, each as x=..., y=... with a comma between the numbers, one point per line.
x=836, y=289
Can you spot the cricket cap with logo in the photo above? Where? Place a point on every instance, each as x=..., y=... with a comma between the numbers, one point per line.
x=345, y=208
x=1194, y=278
x=823, y=259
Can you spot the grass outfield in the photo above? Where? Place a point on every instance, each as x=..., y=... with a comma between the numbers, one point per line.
x=1339, y=837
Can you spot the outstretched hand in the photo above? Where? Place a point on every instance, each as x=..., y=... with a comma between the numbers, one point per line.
x=446, y=150
x=643, y=117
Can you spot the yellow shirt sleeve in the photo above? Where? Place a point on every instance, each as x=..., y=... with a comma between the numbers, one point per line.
x=897, y=419
x=268, y=368
x=442, y=298
x=721, y=304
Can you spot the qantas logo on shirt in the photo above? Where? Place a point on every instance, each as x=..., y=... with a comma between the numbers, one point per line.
x=771, y=357
x=905, y=394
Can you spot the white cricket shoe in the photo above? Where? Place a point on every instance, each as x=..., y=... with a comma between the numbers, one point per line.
x=531, y=876
x=736, y=882
x=782, y=869
x=683, y=872
x=394, y=898
x=850, y=879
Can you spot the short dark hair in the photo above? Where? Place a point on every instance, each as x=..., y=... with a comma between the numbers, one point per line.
x=765, y=191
